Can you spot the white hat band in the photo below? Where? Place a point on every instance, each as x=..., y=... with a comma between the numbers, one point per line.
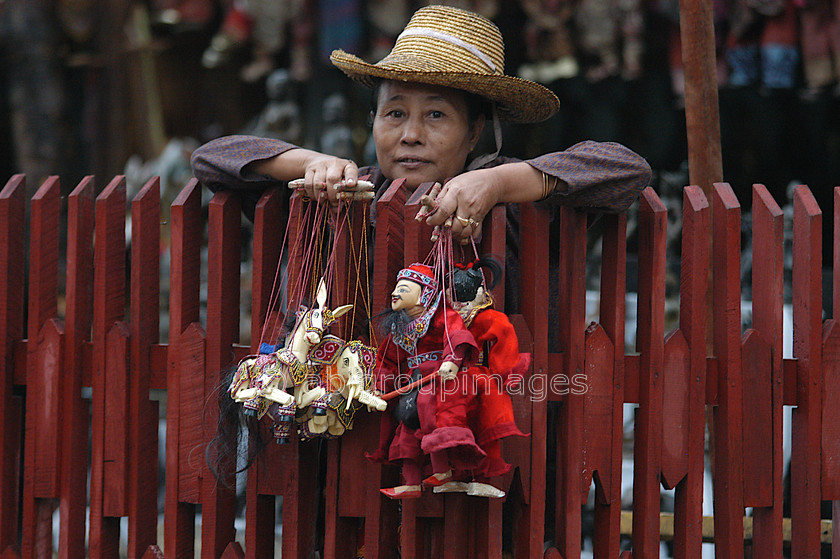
x=427, y=32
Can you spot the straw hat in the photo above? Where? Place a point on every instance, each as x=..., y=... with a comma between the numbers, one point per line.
x=448, y=46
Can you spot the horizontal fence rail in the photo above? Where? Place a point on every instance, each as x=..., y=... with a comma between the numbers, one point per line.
x=102, y=364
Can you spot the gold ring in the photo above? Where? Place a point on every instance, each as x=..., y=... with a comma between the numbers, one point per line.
x=464, y=221
x=473, y=222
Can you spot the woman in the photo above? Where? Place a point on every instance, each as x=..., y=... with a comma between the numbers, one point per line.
x=432, y=95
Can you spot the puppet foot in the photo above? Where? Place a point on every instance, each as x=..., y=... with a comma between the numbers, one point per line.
x=452, y=487
x=438, y=479
x=478, y=489
x=402, y=492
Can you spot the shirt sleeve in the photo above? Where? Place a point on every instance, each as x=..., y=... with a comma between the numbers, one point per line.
x=603, y=176
x=220, y=164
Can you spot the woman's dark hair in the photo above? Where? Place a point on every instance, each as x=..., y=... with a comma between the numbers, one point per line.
x=477, y=106
x=467, y=280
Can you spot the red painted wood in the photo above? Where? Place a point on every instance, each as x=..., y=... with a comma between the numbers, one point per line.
x=78, y=320
x=42, y=305
x=494, y=243
x=388, y=244
x=599, y=438
x=676, y=391
x=456, y=531
x=192, y=347
x=108, y=308
x=571, y=319
x=517, y=450
x=233, y=551
x=836, y=261
x=807, y=348
x=115, y=455
x=267, y=246
x=187, y=238
x=756, y=359
x=340, y=536
x=532, y=297
x=647, y=450
x=145, y=327
x=417, y=241
x=12, y=230
x=768, y=300
x=218, y=501
x=830, y=447
x=270, y=211
x=46, y=386
x=612, y=310
x=728, y=416
x=381, y=514
x=694, y=272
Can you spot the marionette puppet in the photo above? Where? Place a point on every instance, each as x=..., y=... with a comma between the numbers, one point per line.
x=294, y=390
x=425, y=343
x=347, y=376
x=484, y=405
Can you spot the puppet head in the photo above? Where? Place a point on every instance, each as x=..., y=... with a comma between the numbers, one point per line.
x=416, y=289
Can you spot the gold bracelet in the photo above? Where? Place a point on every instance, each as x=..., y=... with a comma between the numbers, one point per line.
x=546, y=182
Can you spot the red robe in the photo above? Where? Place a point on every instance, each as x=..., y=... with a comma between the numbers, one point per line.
x=484, y=406
x=446, y=339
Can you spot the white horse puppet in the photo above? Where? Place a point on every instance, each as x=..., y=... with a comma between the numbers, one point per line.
x=347, y=369
x=261, y=380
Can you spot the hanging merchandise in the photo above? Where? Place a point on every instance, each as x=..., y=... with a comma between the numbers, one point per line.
x=313, y=383
x=450, y=410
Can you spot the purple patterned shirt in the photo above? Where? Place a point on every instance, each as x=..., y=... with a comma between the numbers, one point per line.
x=601, y=176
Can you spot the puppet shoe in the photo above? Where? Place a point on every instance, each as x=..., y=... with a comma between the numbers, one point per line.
x=402, y=492
x=452, y=487
x=438, y=479
x=478, y=489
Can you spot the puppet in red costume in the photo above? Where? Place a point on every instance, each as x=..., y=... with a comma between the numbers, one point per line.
x=424, y=337
x=484, y=406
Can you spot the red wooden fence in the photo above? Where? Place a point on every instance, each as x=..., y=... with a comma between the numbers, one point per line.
x=102, y=331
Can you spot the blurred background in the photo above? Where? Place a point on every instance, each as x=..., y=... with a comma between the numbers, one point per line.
x=110, y=87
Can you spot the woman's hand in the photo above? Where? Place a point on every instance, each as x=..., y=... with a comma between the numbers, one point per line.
x=325, y=176
x=322, y=177
x=464, y=201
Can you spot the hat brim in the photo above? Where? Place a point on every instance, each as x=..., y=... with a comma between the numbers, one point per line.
x=518, y=100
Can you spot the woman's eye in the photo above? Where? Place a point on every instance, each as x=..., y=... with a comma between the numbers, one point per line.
x=436, y=114
x=394, y=113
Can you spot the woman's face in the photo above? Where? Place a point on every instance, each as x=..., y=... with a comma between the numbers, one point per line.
x=422, y=132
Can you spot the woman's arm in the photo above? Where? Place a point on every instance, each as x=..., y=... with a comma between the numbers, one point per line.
x=249, y=163
x=597, y=175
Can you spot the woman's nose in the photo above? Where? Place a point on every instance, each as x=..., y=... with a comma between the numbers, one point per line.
x=412, y=132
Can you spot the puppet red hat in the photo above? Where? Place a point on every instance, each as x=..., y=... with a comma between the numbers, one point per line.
x=425, y=276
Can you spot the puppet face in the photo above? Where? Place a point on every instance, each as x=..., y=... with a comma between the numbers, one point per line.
x=406, y=296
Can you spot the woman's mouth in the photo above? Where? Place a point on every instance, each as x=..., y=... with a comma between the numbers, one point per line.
x=411, y=163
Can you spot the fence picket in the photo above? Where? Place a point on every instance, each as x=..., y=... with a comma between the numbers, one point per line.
x=218, y=501
x=694, y=273
x=807, y=349
x=40, y=475
x=12, y=250
x=184, y=288
x=533, y=295
x=647, y=449
x=768, y=301
x=78, y=320
x=108, y=308
x=728, y=416
x=612, y=318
